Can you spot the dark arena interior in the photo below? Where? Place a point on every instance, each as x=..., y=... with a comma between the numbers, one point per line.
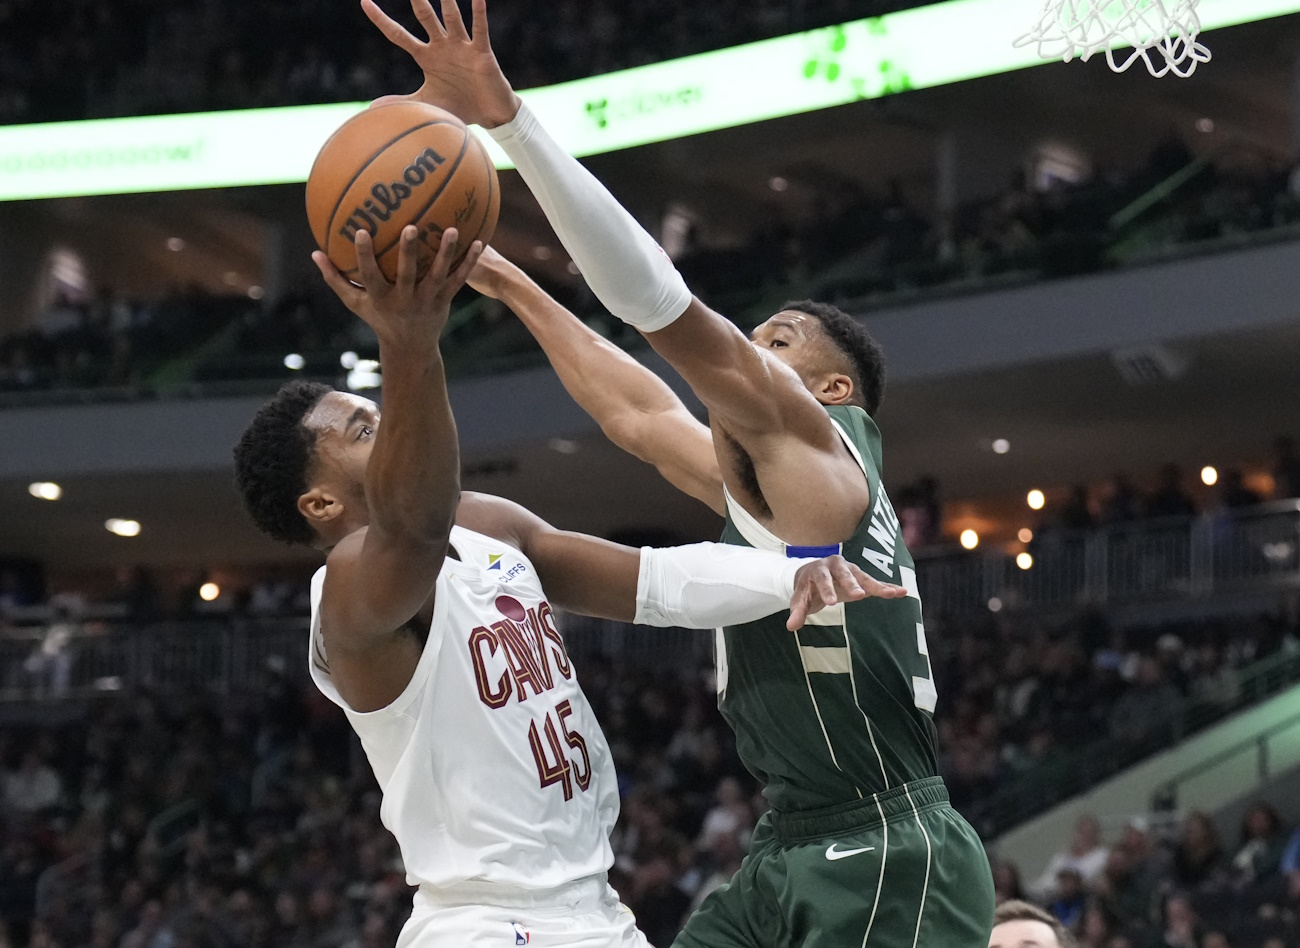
x=1086, y=285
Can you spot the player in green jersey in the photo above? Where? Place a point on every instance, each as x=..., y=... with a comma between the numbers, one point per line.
x=861, y=847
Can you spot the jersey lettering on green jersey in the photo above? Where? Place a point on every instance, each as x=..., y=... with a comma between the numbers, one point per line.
x=841, y=709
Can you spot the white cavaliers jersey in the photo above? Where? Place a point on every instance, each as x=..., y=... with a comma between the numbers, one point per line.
x=492, y=766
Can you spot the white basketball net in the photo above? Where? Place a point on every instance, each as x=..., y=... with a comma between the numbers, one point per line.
x=1161, y=32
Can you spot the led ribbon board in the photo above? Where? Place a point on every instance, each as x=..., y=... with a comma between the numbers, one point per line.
x=865, y=59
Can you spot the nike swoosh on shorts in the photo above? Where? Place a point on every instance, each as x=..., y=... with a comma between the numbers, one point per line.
x=832, y=853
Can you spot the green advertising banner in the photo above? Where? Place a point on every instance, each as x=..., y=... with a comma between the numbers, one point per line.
x=865, y=59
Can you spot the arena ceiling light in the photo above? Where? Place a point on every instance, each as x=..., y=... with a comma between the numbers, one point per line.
x=123, y=528
x=45, y=490
x=864, y=59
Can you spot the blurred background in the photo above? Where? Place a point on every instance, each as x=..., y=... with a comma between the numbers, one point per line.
x=1087, y=288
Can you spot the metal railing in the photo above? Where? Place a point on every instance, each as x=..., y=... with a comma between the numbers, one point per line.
x=1255, y=549
x=1256, y=747
x=1030, y=792
x=87, y=659
x=1232, y=551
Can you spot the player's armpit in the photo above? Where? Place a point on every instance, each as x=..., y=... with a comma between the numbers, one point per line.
x=751, y=392
x=374, y=586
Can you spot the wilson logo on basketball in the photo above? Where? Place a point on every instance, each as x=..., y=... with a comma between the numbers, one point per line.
x=387, y=198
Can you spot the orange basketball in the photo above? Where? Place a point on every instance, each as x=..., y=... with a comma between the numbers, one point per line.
x=399, y=164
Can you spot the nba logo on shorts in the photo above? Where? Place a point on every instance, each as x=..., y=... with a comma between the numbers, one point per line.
x=521, y=934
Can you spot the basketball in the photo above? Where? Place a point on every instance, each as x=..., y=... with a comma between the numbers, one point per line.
x=398, y=164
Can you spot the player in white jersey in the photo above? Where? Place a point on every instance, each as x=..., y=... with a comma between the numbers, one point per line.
x=433, y=630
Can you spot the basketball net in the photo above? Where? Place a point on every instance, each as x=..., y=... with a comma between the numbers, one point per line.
x=1162, y=33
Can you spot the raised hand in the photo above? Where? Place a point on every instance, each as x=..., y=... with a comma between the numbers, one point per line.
x=827, y=582
x=403, y=312
x=461, y=74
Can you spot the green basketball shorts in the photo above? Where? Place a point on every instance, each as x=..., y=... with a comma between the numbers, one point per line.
x=897, y=870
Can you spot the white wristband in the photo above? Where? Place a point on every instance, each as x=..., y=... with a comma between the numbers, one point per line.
x=707, y=585
x=629, y=273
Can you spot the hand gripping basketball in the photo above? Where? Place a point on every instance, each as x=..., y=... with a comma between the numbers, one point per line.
x=403, y=312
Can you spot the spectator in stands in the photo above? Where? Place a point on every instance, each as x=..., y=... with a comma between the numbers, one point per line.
x=1018, y=924
x=1169, y=499
x=1006, y=882
x=1097, y=927
x=1262, y=844
x=722, y=861
x=270, y=597
x=661, y=905
x=1122, y=502
x=730, y=816
x=1077, y=512
x=1181, y=926
x=33, y=786
x=920, y=513
x=1146, y=714
x=1233, y=492
x=50, y=664
x=1125, y=893
x=10, y=593
x=1151, y=863
x=139, y=594
x=1286, y=469
x=152, y=930
x=1085, y=855
x=1070, y=898
x=1198, y=857
x=327, y=925
x=1290, y=862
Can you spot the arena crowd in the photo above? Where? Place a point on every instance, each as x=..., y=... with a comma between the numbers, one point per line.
x=859, y=250
x=139, y=57
x=162, y=820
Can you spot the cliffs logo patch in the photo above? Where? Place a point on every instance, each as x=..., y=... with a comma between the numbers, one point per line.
x=495, y=566
x=521, y=934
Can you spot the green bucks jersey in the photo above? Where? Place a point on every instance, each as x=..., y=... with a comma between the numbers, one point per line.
x=841, y=709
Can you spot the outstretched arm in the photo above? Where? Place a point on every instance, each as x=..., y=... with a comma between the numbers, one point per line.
x=383, y=575
x=755, y=399
x=634, y=407
x=701, y=586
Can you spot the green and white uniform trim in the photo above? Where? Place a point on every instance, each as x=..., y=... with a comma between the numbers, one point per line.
x=842, y=709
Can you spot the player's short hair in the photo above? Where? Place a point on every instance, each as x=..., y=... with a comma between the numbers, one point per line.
x=272, y=458
x=1018, y=911
x=851, y=338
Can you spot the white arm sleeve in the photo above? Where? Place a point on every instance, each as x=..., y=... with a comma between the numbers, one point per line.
x=707, y=585
x=622, y=264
